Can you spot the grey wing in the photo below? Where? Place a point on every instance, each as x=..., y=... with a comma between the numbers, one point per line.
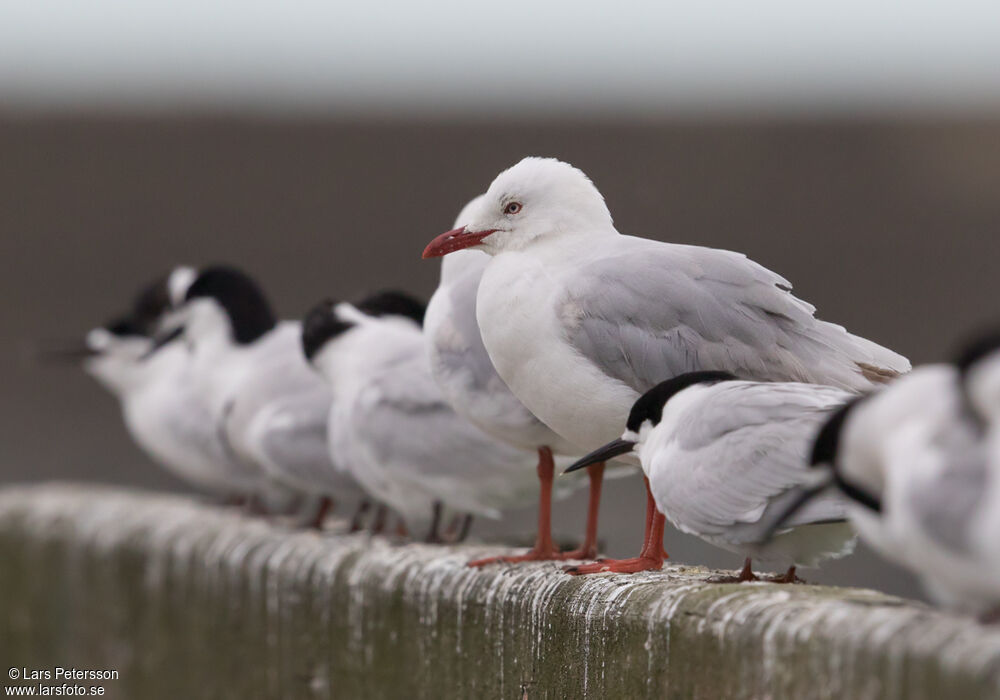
x=410, y=430
x=461, y=357
x=293, y=430
x=462, y=299
x=740, y=454
x=279, y=420
x=686, y=308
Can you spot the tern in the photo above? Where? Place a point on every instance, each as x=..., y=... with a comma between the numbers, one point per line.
x=161, y=408
x=722, y=456
x=920, y=484
x=580, y=320
x=270, y=407
x=392, y=426
x=463, y=369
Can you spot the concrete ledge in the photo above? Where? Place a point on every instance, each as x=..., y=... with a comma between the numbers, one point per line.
x=190, y=601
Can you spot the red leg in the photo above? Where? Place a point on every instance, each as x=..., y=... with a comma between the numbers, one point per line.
x=746, y=575
x=787, y=577
x=358, y=520
x=381, y=517
x=652, y=554
x=433, y=533
x=588, y=550
x=325, y=506
x=401, y=529
x=545, y=548
x=463, y=531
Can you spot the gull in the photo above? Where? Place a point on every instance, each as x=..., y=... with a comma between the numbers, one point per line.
x=392, y=426
x=580, y=320
x=920, y=484
x=463, y=370
x=269, y=406
x=162, y=410
x=721, y=456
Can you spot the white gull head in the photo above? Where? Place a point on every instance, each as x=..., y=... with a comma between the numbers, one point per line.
x=537, y=199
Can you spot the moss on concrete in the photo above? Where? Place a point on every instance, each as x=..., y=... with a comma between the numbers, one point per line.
x=190, y=601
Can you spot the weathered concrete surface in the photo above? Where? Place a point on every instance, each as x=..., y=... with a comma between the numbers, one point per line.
x=191, y=601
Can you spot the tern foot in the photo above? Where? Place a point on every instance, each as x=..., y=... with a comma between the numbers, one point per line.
x=617, y=566
x=787, y=577
x=746, y=575
x=990, y=617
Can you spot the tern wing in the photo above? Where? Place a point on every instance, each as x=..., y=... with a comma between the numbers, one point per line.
x=941, y=478
x=409, y=431
x=289, y=435
x=643, y=311
x=738, y=453
x=278, y=419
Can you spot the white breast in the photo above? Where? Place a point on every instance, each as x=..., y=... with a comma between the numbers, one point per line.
x=169, y=420
x=523, y=331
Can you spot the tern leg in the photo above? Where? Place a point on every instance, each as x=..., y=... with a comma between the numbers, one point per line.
x=787, y=577
x=255, y=506
x=989, y=617
x=379, y=522
x=401, y=529
x=234, y=500
x=322, y=510
x=357, y=521
x=650, y=557
x=746, y=574
x=545, y=548
x=588, y=550
x=463, y=531
x=458, y=529
x=433, y=534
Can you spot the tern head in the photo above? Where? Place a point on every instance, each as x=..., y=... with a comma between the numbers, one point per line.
x=646, y=414
x=979, y=369
x=114, y=354
x=539, y=198
x=329, y=320
x=223, y=301
x=158, y=299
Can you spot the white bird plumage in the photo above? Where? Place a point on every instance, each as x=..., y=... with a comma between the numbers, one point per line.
x=271, y=408
x=393, y=428
x=723, y=456
x=921, y=486
x=463, y=369
x=162, y=409
x=579, y=320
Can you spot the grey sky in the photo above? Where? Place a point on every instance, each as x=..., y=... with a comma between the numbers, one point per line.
x=503, y=58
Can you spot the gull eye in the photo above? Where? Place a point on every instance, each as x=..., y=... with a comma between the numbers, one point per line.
x=512, y=208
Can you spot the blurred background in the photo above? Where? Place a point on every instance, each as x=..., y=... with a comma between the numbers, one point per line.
x=854, y=149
